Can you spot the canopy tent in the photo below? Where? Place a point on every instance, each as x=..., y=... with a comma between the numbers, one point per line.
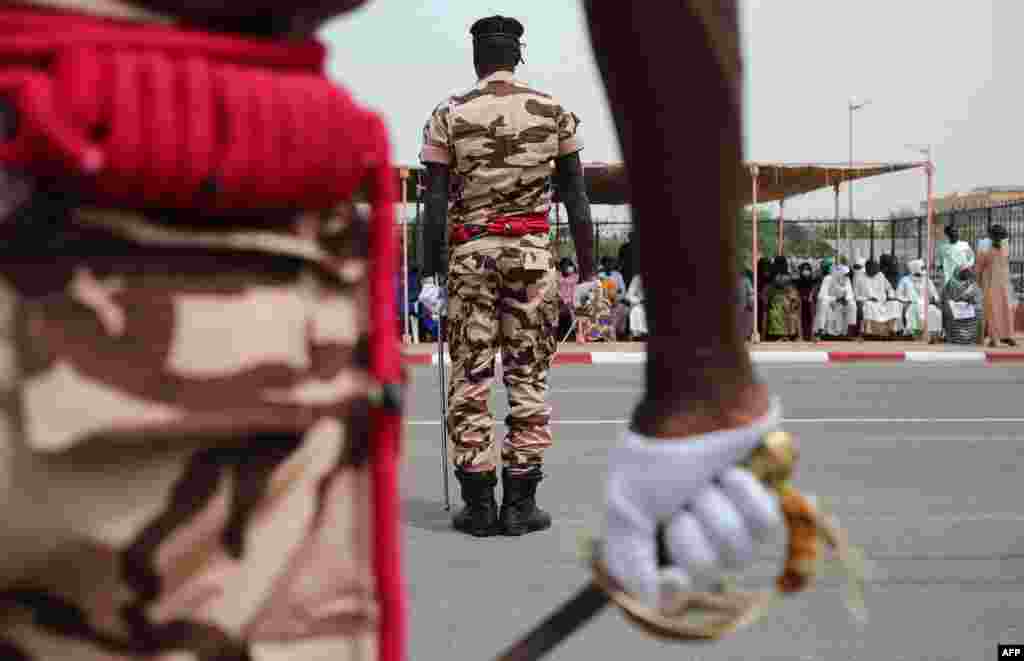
x=606, y=182
x=776, y=181
x=760, y=182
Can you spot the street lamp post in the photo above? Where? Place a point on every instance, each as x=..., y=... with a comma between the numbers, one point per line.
x=849, y=185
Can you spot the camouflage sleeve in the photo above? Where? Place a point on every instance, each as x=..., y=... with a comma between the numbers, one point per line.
x=569, y=139
x=436, y=143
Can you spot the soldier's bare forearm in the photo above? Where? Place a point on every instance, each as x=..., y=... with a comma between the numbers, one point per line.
x=572, y=189
x=699, y=375
x=435, y=221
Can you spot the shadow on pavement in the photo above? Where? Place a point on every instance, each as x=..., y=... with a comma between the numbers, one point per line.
x=428, y=514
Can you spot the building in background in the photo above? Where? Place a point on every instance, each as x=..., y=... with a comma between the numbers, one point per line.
x=977, y=198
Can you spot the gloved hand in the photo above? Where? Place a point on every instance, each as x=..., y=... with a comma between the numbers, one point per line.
x=583, y=291
x=433, y=297
x=714, y=512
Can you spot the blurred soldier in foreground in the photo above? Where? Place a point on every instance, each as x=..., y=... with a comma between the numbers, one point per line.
x=197, y=436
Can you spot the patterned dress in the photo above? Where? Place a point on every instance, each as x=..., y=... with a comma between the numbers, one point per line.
x=963, y=311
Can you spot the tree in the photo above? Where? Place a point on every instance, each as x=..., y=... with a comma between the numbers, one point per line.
x=766, y=235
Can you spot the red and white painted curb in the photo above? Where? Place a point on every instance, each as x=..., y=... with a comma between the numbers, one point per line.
x=776, y=357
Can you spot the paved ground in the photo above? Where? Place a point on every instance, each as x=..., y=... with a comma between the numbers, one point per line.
x=429, y=348
x=571, y=353
x=919, y=461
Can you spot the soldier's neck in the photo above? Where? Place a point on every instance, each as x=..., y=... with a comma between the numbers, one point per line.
x=490, y=71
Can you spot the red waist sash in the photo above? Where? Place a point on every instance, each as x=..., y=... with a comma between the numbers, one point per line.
x=519, y=225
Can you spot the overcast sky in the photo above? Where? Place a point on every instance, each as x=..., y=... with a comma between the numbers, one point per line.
x=939, y=73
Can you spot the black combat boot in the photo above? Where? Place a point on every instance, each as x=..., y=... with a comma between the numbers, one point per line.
x=519, y=511
x=480, y=515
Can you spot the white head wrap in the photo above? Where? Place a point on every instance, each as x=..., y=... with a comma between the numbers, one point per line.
x=916, y=266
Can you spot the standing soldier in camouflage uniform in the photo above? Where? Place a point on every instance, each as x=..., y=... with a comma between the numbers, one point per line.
x=192, y=432
x=491, y=153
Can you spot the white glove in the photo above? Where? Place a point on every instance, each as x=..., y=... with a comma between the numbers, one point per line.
x=651, y=481
x=433, y=298
x=582, y=292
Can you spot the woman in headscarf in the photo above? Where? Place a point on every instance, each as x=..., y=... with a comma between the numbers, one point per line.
x=836, y=308
x=568, y=278
x=994, y=274
x=963, y=308
x=890, y=268
x=881, y=312
x=595, y=318
x=858, y=278
x=912, y=291
x=783, y=319
x=954, y=255
x=807, y=288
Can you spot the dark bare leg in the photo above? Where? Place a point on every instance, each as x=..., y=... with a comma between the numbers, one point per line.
x=678, y=115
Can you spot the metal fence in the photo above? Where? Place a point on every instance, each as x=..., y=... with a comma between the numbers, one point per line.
x=906, y=238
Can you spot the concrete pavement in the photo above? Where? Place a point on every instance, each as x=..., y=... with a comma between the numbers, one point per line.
x=918, y=461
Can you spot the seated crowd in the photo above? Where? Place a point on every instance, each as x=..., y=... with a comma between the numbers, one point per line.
x=614, y=312
x=797, y=300
x=873, y=300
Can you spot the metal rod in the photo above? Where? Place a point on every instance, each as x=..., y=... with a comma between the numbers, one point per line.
x=780, y=232
x=406, y=321
x=443, y=378
x=849, y=184
x=837, y=222
x=756, y=336
x=930, y=247
x=558, y=230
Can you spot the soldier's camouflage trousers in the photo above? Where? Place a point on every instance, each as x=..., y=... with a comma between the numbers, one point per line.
x=502, y=295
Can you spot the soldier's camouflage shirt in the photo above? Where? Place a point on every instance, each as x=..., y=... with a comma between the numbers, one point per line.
x=500, y=139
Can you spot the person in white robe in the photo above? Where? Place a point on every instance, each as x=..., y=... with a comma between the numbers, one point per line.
x=956, y=254
x=911, y=291
x=837, y=308
x=637, y=311
x=882, y=313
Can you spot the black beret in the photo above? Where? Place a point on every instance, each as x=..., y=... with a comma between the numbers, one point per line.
x=497, y=26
